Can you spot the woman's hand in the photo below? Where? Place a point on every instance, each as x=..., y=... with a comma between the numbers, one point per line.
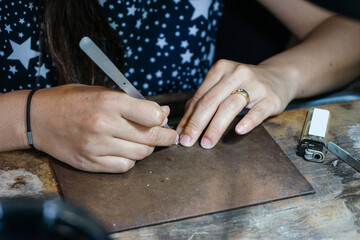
x=214, y=106
x=97, y=129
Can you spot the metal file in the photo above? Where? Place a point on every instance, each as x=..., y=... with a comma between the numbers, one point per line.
x=344, y=155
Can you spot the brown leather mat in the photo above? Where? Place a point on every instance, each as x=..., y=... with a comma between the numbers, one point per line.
x=177, y=182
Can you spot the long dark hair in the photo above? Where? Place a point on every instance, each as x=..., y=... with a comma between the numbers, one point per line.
x=62, y=25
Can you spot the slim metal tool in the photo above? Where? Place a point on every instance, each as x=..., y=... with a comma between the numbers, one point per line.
x=344, y=155
x=105, y=64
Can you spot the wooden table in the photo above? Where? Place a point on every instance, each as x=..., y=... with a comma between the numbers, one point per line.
x=333, y=212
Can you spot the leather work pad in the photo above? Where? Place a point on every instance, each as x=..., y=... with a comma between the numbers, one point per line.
x=176, y=182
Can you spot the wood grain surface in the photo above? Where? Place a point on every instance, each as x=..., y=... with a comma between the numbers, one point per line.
x=333, y=212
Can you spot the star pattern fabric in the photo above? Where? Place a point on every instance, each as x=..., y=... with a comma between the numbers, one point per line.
x=19, y=49
x=170, y=43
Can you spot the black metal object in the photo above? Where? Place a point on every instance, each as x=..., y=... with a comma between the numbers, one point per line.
x=52, y=219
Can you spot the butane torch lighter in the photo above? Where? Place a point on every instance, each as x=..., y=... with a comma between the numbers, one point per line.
x=313, y=141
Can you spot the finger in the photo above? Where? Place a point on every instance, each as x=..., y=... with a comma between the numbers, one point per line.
x=212, y=77
x=166, y=110
x=122, y=128
x=118, y=147
x=225, y=114
x=143, y=112
x=153, y=136
x=110, y=164
x=205, y=110
x=255, y=116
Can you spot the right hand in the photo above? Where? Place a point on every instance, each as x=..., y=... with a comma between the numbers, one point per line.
x=97, y=129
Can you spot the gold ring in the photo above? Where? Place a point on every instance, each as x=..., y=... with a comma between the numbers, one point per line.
x=242, y=92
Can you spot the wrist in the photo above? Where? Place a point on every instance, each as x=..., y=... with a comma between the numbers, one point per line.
x=37, y=113
x=13, y=121
x=288, y=77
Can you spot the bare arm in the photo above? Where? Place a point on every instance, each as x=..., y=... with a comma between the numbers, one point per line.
x=12, y=121
x=327, y=58
x=329, y=55
x=299, y=16
x=91, y=128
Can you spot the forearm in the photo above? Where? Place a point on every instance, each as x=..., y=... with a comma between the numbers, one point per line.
x=299, y=16
x=13, y=121
x=328, y=58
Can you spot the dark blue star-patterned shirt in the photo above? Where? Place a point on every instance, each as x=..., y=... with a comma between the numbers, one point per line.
x=170, y=43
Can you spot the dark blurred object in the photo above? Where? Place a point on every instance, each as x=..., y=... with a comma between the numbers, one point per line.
x=52, y=219
x=349, y=8
x=248, y=33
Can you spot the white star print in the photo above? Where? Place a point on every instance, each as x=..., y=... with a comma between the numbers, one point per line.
x=23, y=52
x=2, y=53
x=21, y=34
x=31, y=6
x=8, y=28
x=158, y=74
x=211, y=53
x=144, y=15
x=216, y=6
x=21, y=20
x=201, y=8
x=184, y=44
x=193, y=30
x=41, y=71
x=129, y=52
x=114, y=25
x=186, y=57
x=13, y=69
x=176, y=1
x=174, y=73
x=131, y=10
x=203, y=34
x=161, y=42
x=196, y=62
x=138, y=24
x=148, y=77
x=193, y=71
x=101, y=2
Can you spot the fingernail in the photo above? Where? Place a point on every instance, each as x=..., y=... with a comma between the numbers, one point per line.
x=166, y=109
x=206, y=143
x=164, y=122
x=185, y=140
x=241, y=129
x=176, y=142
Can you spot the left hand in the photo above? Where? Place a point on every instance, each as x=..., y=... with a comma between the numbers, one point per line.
x=269, y=90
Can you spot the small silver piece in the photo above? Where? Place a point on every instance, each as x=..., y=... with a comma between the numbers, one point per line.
x=344, y=155
x=30, y=138
x=314, y=155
